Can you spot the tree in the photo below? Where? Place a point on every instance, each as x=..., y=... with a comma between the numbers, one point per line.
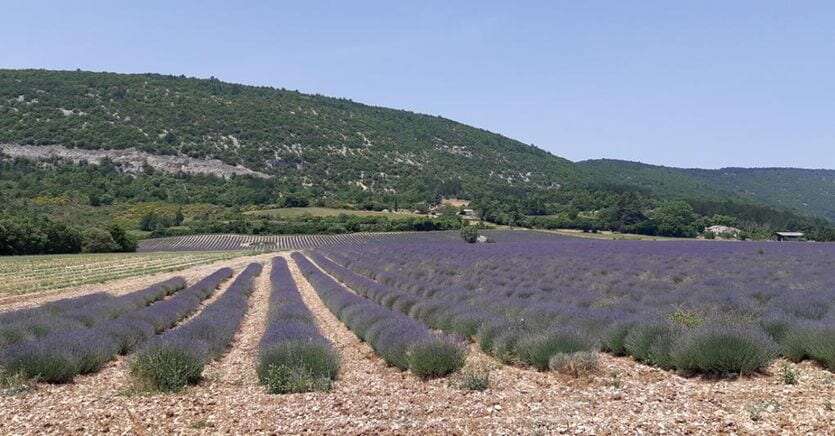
x=179, y=218
x=674, y=218
x=125, y=242
x=97, y=240
x=469, y=234
x=295, y=201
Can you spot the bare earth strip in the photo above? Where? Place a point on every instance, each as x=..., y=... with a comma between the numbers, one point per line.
x=370, y=398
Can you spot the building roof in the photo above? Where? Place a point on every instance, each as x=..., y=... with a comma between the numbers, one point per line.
x=790, y=234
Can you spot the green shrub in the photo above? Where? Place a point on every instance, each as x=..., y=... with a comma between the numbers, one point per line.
x=504, y=345
x=822, y=348
x=283, y=379
x=574, y=364
x=469, y=234
x=796, y=342
x=652, y=343
x=614, y=338
x=487, y=334
x=435, y=358
x=48, y=367
x=297, y=366
x=724, y=350
x=166, y=368
x=537, y=349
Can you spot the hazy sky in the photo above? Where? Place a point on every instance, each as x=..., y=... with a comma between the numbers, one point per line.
x=695, y=84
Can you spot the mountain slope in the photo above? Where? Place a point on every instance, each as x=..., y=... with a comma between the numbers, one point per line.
x=809, y=192
x=335, y=144
x=332, y=150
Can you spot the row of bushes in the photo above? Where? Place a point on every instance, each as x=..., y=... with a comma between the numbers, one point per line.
x=59, y=357
x=293, y=355
x=709, y=350
x=401, y=341
x=508, y=341
x=177, y=357
x=79, y=312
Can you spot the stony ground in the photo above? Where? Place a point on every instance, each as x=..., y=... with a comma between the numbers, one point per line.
x=370, y=398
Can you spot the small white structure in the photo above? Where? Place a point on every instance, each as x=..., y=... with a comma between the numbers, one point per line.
x=789, y=236
x=468, y=215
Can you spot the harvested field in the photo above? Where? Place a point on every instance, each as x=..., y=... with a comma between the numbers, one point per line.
x=24, y=274
x=619, y=395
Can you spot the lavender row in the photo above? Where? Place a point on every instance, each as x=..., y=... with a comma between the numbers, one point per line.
x=177, y=357
x=698, y=307
x=293, y=355
x=442, y=311
x=79, y=312
x=60, y=356
x=398, y=339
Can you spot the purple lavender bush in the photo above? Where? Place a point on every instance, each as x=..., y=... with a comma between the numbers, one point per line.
x=638, y=298
x=401, y=341
x=79, y=312
x=60, y=356
x=176, y=358
x=293, y=355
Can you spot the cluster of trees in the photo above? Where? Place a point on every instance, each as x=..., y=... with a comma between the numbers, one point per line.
x=152, y=221
x=21, y=235
x=632, y=212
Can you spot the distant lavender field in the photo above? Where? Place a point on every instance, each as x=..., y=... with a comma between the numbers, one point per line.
x=694, y=306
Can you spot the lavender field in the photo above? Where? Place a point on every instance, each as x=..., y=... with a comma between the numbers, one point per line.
x=720, y=308
x=429, y=328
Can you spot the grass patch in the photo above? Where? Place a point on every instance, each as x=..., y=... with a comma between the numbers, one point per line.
x=472, y=378
x=15, y=383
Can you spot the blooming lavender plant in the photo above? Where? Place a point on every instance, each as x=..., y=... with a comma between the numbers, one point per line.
x=401, y=341
x=293, y=355
x=60, y=356
x=79, y=312
x=177, y=357
x=639, y=298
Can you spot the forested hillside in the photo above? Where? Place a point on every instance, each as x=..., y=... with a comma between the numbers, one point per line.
x=77, y=149
x=333, y=146
x=808, y=192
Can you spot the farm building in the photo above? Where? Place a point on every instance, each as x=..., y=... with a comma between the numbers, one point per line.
x=788, y=236
x=468, y=215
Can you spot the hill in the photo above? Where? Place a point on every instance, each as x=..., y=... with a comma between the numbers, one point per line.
x=809, y=192
x=83, y=154
x=335, y=144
